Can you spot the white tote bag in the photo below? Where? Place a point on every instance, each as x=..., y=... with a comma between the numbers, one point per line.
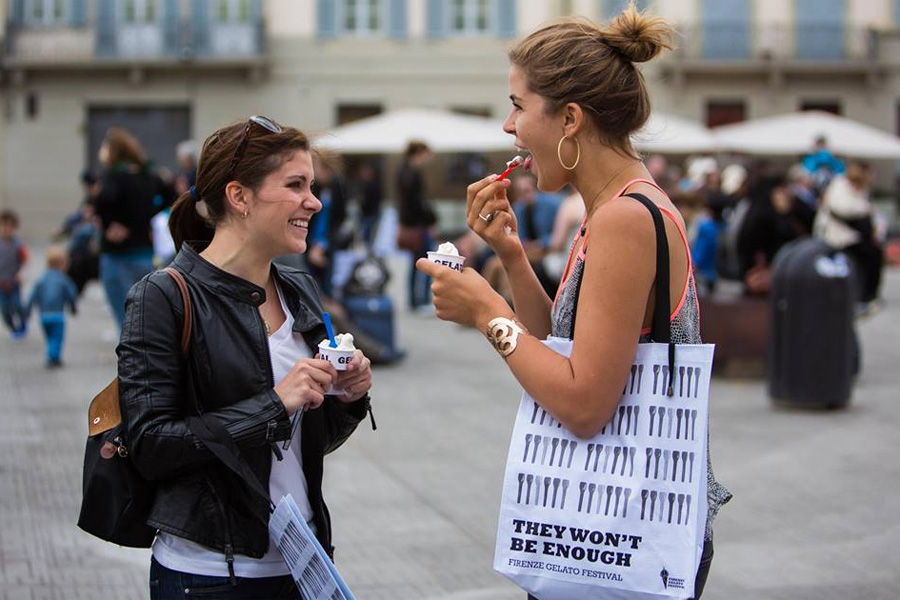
x=623, y=514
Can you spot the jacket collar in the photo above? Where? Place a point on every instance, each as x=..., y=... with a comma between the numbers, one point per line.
x=292, y=283
x=219, y=281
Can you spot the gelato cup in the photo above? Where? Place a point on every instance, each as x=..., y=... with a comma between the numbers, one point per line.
x=447, y=255
x=340, y=357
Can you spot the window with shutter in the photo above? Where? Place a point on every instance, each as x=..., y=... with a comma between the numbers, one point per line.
x=361, y=18
x=820, y=29
x=726, y=29
x=470, y=17
x=46, y=12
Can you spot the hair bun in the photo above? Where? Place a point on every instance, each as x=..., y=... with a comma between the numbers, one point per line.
x=638, y=37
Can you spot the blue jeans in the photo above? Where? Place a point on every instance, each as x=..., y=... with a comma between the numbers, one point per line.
x=420, y=283
x=118, y=272
x=167, y=584
x=11, y=306
x=369, y=225
x=54, y=325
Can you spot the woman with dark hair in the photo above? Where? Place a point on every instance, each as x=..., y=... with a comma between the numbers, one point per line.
x=252, y=366
x=775, y=217
x=577, y=97
x=129, y=196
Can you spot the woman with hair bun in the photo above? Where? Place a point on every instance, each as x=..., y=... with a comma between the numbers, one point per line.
x=251, y=366
x=577, y=97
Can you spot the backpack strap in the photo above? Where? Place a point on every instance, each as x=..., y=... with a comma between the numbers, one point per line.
x=105, y=413
x=188, y=322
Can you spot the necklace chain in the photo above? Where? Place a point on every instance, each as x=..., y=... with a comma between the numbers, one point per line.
x=590, y=209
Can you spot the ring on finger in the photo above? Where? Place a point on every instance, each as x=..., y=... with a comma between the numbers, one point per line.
x=486, y=218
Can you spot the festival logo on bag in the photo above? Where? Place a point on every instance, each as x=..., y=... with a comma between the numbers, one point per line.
x=669, y=582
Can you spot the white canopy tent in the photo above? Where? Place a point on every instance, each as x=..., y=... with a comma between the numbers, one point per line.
x=668, y=134
x=795, y=133
x=390, y=132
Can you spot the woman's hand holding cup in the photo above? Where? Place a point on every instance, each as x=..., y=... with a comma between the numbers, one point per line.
x=304, y=385
x=356, y=380
x=465, y=298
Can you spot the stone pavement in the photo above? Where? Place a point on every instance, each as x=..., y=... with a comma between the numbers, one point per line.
x=815, y=514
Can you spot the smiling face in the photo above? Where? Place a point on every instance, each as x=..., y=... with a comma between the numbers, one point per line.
x=537, y=132
x=280, y=209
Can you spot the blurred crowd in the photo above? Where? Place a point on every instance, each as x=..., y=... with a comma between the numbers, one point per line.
x=739, y=215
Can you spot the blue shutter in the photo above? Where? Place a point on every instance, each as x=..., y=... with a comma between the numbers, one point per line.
x=256, y=21
x=255, y=11
x=897, y=12
x=612, y=8
x=327, y=19
x=436, y=21
x=17, y=11
x=726, y=29
x=820, y=29
x=78, y=13
x=200, y=26
x=171, y=25
x=397, y=18
x=506, y=18
x=106, y=27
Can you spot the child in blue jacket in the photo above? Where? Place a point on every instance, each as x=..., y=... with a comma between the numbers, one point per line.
x=50, y=295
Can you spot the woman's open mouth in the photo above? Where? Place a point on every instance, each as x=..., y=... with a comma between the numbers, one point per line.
x=526, y=164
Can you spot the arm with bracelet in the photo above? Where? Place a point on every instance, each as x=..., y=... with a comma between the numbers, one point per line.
x=581, y=391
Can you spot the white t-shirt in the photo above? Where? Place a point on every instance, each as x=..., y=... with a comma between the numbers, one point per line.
x=286, y=347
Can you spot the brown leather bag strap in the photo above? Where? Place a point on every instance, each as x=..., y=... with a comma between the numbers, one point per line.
x=188, y=309
x=104, y=413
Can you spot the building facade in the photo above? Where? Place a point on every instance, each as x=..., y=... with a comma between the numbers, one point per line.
x=177, y=69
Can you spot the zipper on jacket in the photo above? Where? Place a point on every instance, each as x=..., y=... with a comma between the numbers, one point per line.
x=371, y=414
x=272, y=425
x=240, y=434
x=229, y=558
x=270, y=437
x=229, y=545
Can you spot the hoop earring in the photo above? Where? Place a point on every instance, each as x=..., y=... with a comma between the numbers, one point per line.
x=559, y=153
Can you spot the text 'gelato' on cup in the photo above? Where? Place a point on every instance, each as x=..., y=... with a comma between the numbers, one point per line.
x=341, y=356
x=447, y=255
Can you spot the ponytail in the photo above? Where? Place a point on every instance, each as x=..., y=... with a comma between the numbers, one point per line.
x=186, y=224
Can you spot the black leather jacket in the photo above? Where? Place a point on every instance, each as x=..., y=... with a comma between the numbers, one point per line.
x=228, y=374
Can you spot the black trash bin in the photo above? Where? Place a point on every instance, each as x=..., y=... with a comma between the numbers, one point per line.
x=813, y=349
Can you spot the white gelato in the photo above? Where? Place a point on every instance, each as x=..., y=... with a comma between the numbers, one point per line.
x=344, y=342
x=447, y=255
x=448, y=249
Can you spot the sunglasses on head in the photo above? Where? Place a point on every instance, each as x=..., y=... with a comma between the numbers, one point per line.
x=264, y=122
